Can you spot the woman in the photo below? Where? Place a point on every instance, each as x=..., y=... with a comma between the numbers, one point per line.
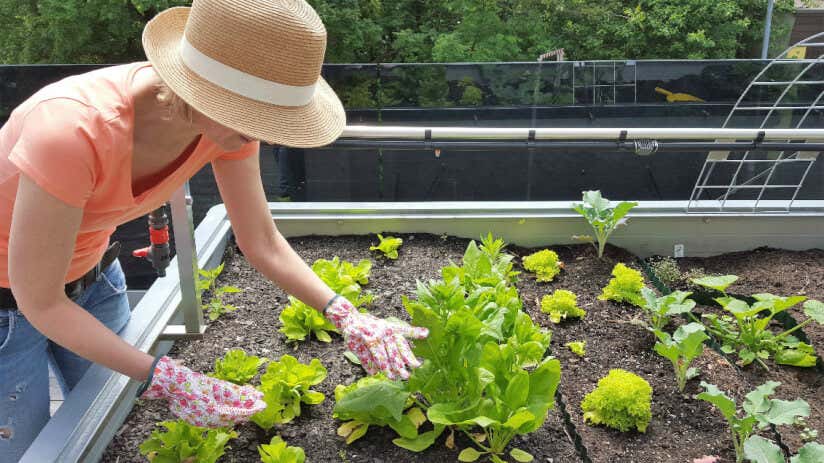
x=90, y=152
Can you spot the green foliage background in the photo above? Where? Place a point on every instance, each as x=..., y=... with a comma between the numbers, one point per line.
x=108, y=31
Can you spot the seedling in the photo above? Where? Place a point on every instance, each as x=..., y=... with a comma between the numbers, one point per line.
x=388, y=246
x=601, y=217
x=277, y=451
x=237, y=367
x=544, y=264
x=560, y=305
x=185, y=443
x=206, y=282
x=747, y=331
x=681, y=349
x=625, y=286
x=757, y=412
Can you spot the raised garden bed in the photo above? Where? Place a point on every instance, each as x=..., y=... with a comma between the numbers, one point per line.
x=682, y=428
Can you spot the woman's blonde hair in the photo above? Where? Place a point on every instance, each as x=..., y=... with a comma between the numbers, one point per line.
x=175, y=106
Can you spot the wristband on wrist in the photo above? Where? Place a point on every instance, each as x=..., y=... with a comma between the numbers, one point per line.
x=145, y=384
x=334, y=298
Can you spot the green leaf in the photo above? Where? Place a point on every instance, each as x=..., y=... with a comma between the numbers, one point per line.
x=718, y=283
x=469, y=454
x=714, y=396
x=815, y=310
x=422, y=442
x=784, y=412
x=520, y=455
x=813, y=452
x=795, y=357
x=760, y=450
x=352, y=357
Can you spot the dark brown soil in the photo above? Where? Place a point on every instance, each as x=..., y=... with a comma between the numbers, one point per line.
x=784, y=273
x=255, y=328
x=682, y=428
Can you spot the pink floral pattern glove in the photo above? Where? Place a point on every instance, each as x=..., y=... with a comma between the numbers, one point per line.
x=202, y=400
x=381, y=345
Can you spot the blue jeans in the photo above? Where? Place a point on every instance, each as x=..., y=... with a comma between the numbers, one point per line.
x=25, y=356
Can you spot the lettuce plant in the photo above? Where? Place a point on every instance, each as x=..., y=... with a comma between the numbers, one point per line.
x=747, y=330
x=237, y=367
x=681, y=349
x=757, y=412
x=621, y=401
x=560, y=305
x=601, y=217
x=388, y=246
x=760, y=450
x=285, y=386
x=484, y=369
x=544, y=264
x=577, y=347
x=659, y=310
x=185, y=443
x=299, y=320
x=277, y=451
x=625, y=286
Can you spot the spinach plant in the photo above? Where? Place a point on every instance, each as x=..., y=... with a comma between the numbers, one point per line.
x=747, y=331
x=388, y=246
x=484, y=365
x=684, y=346
x=601, y=217
x=277, y=451
x=207, y=282
x=237, y=367
x=757, y=412
x=285, y=386
x=299, y=320
x=185, y=443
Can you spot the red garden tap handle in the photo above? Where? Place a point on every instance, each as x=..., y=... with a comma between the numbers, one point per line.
x=143, y=252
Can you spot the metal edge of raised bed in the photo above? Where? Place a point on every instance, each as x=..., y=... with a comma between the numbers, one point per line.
x=654, y=227
x=91, y=414
x=87, y=421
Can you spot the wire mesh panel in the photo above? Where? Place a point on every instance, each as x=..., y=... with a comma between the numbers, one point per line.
x=787, y=93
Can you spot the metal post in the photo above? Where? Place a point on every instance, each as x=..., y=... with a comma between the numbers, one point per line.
x=187, y=262
x=767, y=30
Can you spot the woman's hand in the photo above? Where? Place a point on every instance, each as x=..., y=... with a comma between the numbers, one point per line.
x=202, y=400
x=381, y=345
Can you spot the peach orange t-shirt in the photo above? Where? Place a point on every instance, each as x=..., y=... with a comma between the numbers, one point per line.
x=74, y=139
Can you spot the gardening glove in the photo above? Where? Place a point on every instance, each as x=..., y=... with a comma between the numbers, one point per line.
x=380, y=345
x=199, y=399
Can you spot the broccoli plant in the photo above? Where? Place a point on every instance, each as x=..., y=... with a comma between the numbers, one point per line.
x=657, y=311
x=621, y=401
x=758, y=411
x=237, y=367
x=625, y=286
x=560, y=305
x=185, y=443
x=277, y=451
x=760, y=450
x=601, y=217
x=747, y=330
x=207, y=282
x=681, y=349
x=544, y=264
x=285, y=385
x=577, y=347
x=388, y=246
x=299, y=320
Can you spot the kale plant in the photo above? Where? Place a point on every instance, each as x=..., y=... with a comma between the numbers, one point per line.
x=601, y=217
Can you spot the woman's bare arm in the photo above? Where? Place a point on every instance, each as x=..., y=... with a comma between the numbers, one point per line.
x=41, y=243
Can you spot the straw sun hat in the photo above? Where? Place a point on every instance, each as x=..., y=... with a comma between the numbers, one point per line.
x=251, y=65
